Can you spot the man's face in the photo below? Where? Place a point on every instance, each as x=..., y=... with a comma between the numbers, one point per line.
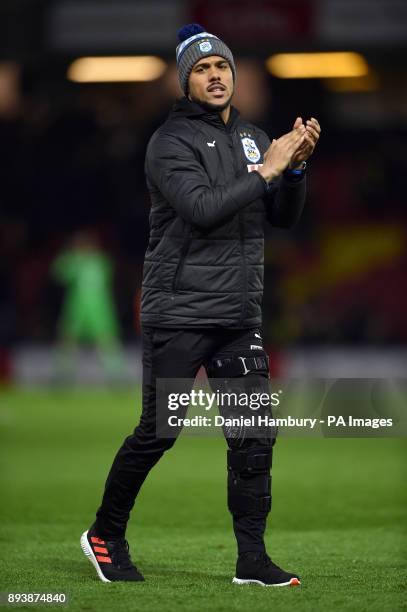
x=211, y=83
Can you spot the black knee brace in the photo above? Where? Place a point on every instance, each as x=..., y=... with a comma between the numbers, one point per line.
x=245, y=374
x=249, y=480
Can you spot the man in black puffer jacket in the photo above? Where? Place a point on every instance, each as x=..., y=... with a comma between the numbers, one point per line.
x=214, y=180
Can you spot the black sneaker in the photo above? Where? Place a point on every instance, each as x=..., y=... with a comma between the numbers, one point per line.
x=111, y=558
x=258, y=568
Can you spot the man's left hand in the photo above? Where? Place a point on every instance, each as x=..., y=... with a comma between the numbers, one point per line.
x=312, y=132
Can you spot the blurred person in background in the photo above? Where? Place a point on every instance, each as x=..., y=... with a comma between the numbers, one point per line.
x=213, y=180
x=88, y=312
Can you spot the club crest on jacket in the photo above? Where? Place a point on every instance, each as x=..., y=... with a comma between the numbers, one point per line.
x=251, y=150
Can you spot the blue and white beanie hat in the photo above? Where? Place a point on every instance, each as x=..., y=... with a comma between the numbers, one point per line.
x=194, y=44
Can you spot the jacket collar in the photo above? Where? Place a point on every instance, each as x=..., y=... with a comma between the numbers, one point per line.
x=192, y=110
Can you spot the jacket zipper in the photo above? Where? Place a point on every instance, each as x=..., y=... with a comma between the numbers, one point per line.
x=244, y=268
x=241, y=240
x=181, y=262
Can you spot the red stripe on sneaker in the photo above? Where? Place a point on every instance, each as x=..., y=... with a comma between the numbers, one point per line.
x=97, y=540
x=103, y=559
x=100, y=549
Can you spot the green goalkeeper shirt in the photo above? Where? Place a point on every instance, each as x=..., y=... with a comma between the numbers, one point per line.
x=88, y=311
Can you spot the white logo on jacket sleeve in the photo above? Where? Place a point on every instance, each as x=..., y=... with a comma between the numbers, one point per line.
x=251, y=150
x=205, y=46
x=211, y=144
x=253, y=167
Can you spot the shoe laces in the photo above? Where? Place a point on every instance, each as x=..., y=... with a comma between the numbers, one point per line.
x=120, y=554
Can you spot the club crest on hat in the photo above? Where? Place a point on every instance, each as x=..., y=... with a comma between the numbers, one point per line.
x=205, y=46
x=251, y=150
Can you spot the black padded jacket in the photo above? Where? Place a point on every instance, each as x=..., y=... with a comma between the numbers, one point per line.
x=205, y=258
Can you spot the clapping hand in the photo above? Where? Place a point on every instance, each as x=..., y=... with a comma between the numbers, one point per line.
x=307, y=146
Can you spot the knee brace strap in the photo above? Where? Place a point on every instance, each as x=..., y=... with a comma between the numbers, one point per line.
x=246, y=504
x=235, y=367
x=253, y=460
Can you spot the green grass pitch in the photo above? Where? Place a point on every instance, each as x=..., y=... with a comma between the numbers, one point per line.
x=338, y=516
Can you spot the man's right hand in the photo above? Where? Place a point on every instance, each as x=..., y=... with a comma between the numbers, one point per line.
x=278, y=155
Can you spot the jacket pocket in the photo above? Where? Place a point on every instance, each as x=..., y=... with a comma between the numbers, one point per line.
x=181, y=264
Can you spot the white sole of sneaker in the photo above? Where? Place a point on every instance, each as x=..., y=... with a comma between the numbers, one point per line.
x=89, y=553
x=291, y=582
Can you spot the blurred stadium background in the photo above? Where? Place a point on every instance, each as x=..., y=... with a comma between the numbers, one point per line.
x=71, y=166
x=71, y=159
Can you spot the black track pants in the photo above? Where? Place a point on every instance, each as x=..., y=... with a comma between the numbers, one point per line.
x=172, y=353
